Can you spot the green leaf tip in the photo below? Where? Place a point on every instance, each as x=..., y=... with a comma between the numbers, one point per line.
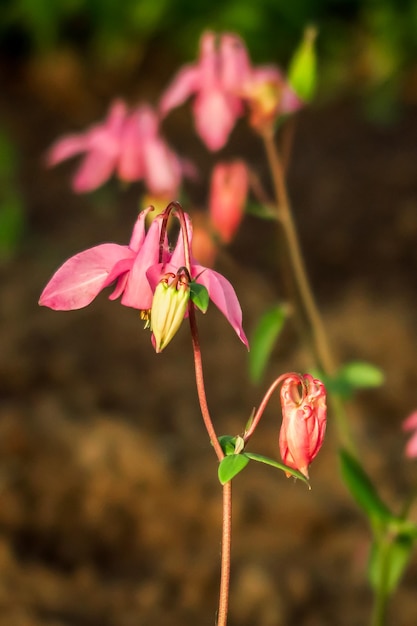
x=230, y=466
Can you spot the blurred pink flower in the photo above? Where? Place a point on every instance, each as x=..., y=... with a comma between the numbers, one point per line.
x=228, y=192
x=128, y=144
x=222, y=80
x=410, y=424
x=215, y=80
x=303, y=401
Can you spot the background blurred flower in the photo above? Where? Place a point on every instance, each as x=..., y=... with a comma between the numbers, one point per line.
x=410, y=424
x=214, y=81
x=127, y=144
x=228, y=192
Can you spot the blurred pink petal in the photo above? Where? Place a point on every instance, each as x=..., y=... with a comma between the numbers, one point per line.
x=410, y=424
x=228, y=192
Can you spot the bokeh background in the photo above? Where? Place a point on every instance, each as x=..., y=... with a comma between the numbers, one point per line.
x=109, y=501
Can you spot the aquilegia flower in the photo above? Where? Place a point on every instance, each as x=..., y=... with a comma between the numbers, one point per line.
x=223, y=81
x=128, y=144
x=410, y=424
x=215, y=81
x=137, y=269
x=303, y=401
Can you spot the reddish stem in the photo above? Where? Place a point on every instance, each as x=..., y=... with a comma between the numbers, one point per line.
x=227, y=488
x=248, y=434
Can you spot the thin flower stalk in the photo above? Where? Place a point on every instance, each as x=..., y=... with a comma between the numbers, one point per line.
x=316, y=332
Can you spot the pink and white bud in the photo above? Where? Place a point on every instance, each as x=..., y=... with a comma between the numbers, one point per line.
x=228, y=192
x=303, y=401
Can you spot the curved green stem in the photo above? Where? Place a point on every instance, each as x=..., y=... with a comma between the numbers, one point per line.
x=316, y=331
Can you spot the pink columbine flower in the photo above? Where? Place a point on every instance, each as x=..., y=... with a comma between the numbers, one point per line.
x=303, y=400
x=219, y=288
x=128, y=144
x=228, y=192
x=138, y=269
x=410, y=424
x=223, y=81
x=215, y=81
x=82, y=277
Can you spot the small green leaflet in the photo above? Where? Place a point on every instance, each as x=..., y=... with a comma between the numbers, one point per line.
x=200, y=296
x=233, y=464
x=264, y=339
x=230, y=466
x=352, y=376
x=260, y=458
x=363, y=491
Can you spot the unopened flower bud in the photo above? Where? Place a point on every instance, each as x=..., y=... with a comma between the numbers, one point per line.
x=303, y=400
x=169, y=306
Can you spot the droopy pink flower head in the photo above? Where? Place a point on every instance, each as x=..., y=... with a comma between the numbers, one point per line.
x=410, y=424
x=215, y=80
x=303, y=401
x=137, y=269
x=219, y=289
x=127, y=143
x=228, y=192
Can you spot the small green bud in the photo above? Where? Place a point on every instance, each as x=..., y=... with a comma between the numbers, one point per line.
x=302, y=73
x=169, y=306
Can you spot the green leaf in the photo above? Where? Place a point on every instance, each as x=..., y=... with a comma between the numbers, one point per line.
x=227, y=443
x=264, y=339
x=388, y=561
x=230, y=466
x=262, y=211
x=350, y=377
x=363, y=491
x=302, y=72
x=200, y=296
x=264, y=459
x=361, y=375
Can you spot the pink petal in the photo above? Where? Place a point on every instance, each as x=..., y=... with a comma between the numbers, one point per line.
x=163, y=169
x=185, y=83
x=138, y=293
x=235, y=63
x=228, y=191
x=215, y=115
x=131, y=165
x=80, y=279
x=66, y=148
x=411, y=447
x=223, y=296
x=139, y=233
x=410, y=423
x=96, y=167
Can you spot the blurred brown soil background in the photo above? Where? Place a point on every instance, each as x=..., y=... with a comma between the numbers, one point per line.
x=109, y=502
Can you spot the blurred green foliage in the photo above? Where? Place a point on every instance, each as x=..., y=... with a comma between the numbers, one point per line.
x=364, y=46
x=385, y=29
x=12, y=218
